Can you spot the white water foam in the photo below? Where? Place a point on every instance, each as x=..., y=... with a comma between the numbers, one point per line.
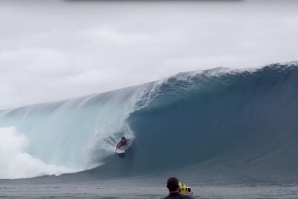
x=15, y=162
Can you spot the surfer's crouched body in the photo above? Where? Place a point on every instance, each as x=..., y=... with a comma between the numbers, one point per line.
x=173, y=186
x=123, y=143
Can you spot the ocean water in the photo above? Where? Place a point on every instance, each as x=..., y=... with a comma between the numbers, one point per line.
x=136, y=188
x=225, y=133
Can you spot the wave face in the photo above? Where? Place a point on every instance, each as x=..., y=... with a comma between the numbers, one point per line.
x=219, y=118
x=217, y=121
x=64, y=137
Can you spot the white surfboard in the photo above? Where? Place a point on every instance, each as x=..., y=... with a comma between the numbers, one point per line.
x=120, y=151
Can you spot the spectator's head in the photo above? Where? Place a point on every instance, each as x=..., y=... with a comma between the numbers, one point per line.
x=173, y=184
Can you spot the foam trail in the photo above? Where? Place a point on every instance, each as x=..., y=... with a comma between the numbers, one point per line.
x=15, y=162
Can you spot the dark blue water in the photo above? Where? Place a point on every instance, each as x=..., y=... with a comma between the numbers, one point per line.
x=240, y=125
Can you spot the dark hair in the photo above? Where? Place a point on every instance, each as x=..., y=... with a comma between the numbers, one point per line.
x=173, y=184
x=123, y=138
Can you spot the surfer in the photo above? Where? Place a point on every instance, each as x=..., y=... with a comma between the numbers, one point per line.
x=173, y=186
x=122, y=144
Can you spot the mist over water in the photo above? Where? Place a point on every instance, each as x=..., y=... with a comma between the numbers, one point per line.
x=17, y=163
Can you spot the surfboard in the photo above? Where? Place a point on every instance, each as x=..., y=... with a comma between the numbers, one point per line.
x=120, y=151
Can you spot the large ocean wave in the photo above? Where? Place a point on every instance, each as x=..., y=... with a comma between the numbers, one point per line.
x=73, y=135
x=218, y=119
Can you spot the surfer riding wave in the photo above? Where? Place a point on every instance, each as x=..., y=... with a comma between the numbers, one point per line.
x=122, y=144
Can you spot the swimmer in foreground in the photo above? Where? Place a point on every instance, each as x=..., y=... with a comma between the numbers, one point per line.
x=173, y=186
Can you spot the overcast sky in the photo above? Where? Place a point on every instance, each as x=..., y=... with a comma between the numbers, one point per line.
x=54, y=50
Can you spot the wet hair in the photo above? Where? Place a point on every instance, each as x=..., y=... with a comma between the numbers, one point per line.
x=172, y=184
x=123, y=138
